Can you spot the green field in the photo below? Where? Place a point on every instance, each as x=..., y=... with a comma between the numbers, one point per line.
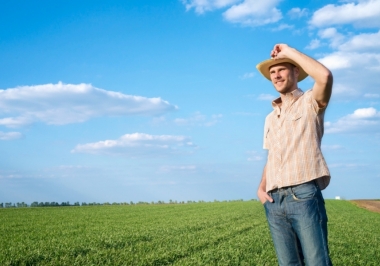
x=220, y=233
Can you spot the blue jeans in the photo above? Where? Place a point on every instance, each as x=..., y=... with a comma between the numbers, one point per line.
x=298, y=224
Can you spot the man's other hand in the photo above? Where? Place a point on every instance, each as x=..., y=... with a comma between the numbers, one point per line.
x=263, y=196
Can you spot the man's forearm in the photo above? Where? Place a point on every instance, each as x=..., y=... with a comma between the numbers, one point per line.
x=315, y=69
x=263, y=182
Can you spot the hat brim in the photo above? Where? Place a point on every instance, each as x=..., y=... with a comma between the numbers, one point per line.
x=264, y=66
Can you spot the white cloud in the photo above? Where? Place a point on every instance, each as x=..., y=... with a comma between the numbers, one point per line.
x=248, y=75
x=365, y=113
x=355, y=58
x=10, y=135
x=254, y=13
x=347, y=165
x=362, y=42
x=332, y=35
x=16, y=121
x=372, y=95
x=354, y=63
x=177, y=168
x=331, y=147
x=254, y=156
x=201, y=6
x=362, y=14
x=314, y=44
x=336, y=61
x=297, y=12
x=266, y=97
x=70, y=167
x=283, y=27
x=198, y=119
x=364, y=120
x=342, y=60
x=343, y=90
x=10, y=176
x=245, y=114
x=61, y=104
x=328, y=33
x=246, y=12
x=138, y=145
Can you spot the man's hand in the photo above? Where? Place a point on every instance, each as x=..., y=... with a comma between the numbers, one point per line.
x=263, y=196
x=279, y=51
x=261, y=192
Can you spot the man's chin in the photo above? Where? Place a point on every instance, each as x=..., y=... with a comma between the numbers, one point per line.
x=280, y=89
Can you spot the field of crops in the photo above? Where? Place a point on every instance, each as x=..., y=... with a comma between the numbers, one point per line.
x=220, y=233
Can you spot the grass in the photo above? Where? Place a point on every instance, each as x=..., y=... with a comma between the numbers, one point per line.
x=221, y=233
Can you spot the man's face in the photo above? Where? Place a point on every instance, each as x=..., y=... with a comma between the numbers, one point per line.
x=284, y=77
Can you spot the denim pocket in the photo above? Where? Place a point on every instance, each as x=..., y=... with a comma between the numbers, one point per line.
x=304, y=192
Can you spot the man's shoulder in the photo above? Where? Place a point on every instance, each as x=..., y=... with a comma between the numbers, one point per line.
x=305, y=97
x=306, y=94
x=270, y=115
x=308, y=98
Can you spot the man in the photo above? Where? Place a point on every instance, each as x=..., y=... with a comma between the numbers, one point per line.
x=296, y=171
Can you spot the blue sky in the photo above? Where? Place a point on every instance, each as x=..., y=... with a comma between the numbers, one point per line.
x=118, y=101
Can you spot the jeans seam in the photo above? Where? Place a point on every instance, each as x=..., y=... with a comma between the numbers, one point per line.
x=298, y=251
x=324, y=237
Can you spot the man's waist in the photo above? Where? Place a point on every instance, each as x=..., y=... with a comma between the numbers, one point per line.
x=275, y=190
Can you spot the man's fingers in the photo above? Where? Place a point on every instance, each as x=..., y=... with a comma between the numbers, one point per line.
x=269, y=198
x=265, y=197
x=276, y=53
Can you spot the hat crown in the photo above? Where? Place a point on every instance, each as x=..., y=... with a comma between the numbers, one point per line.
x=265, y=65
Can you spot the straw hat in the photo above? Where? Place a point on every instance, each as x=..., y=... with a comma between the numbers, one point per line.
x=264, y=66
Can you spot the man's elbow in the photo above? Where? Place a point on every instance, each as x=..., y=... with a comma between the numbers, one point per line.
x=323, y=89
x=326, y=78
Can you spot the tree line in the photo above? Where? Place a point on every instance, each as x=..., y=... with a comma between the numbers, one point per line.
x=67, y=203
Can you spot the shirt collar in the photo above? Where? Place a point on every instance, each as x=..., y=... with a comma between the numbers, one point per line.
x=293, y=95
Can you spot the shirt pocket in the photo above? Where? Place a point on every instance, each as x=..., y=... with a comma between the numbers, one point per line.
x=294, y=117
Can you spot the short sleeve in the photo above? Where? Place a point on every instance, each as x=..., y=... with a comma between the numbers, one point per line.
x=314, y=104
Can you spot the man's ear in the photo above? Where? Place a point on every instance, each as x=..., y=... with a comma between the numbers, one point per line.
x=296, y=72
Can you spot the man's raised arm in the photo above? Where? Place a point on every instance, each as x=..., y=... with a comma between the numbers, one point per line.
x=322, y=76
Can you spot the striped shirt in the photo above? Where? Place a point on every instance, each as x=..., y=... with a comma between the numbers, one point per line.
x=292, y=136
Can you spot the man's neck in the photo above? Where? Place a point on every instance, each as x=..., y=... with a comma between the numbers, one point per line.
x=285, y=97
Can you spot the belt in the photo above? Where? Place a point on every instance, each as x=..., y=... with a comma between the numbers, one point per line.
x=284, y=188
